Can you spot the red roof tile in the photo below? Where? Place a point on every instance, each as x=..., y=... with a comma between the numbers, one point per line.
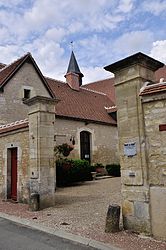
x=158, y=86
x=14, y=126
x=83, y=104
x=105, y=86
x=153, y=89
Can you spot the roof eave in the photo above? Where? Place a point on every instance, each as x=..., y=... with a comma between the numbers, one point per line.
x=85, y=120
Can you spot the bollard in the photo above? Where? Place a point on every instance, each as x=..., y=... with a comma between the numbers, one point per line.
x=93, y=175
x=34, y=202
x=112, y=219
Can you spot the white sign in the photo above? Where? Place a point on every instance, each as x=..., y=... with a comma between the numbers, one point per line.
x=130, y=149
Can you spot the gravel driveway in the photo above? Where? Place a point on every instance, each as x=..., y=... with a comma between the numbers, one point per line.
x=81, y=209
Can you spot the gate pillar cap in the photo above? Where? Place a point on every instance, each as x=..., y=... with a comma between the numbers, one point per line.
x=138, y=58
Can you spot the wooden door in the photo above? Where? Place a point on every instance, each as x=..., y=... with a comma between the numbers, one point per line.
x=85, y=145
x=14, y=173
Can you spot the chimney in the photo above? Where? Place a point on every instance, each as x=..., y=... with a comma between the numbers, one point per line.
x=72, y=79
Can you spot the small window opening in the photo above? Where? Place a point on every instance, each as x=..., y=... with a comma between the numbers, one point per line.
x=27, y=93
x=1, y=90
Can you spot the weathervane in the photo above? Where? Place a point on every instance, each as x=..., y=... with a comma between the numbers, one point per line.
x=72, y=45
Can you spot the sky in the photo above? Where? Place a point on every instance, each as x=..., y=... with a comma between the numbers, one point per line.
x=102, y=32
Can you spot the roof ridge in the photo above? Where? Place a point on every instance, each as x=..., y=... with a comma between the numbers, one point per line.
x=104, y=79
x=148, y=85
x=47, y=77
x=111, y=107
x=94, y=91
x=12, y=124
x=7, y=65
x=154, y=84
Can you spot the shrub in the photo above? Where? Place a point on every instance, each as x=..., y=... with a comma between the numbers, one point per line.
x=92, y=168
x=113, y=169
x=69, y=171
x=98, y=165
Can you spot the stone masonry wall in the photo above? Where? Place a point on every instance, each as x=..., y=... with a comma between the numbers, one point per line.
x=103, y=139
x=154, y=114
x=135, y=191
x=130, y=75
x=141, y=146
x=41, y=133
x=11, y=98
x=19, y=139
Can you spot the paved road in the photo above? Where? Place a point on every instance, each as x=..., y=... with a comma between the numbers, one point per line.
x=16, y=237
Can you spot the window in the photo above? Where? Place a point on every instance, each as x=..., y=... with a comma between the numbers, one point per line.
x=27, y=93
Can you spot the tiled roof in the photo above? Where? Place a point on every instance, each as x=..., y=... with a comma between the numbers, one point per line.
x=159, y=86
x=89, y=103
x=106, y=86
x=14, y=126
x=153, y=88
x=82, y=104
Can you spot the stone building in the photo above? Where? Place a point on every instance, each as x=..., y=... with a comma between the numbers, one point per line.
x=141, y=105
x=38, y=113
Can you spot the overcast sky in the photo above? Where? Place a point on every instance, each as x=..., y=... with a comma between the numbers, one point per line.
x=102, y=31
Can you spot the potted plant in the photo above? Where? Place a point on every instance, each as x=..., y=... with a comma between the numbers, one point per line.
x=100, y=169
x=63, y=149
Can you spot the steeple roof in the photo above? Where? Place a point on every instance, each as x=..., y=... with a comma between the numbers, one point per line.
x=73, y=65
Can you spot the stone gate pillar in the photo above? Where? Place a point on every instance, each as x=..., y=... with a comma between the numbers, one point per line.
x=41, y=148
x=130, y=75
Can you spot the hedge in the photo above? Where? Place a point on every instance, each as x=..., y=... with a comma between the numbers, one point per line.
x=69, y=171
x=113, y=170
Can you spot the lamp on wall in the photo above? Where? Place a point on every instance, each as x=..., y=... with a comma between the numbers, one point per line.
x=72, y=139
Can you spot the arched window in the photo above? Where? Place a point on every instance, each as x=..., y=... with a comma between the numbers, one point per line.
x=85, y=145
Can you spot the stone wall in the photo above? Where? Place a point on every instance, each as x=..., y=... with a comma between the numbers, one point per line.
x=135, y=190
x=41, y=139
x=20, y=140
x=104, y=139
x=34, y=144
x=154, y=113
x=11, y=98
x=141, y=145
x=154, y=107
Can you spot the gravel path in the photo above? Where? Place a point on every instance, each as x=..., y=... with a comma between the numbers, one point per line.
x=81, y=209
